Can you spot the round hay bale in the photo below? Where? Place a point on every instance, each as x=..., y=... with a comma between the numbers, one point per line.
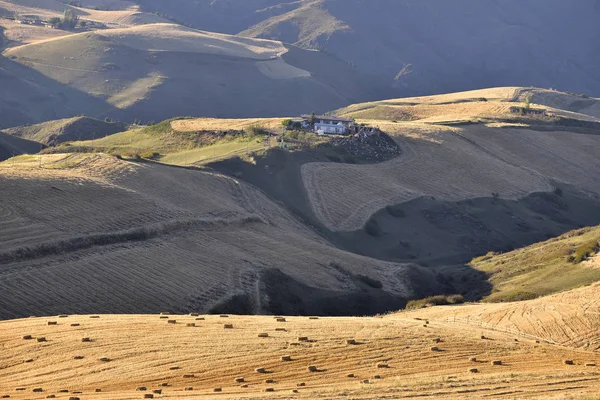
x=350, y=341
x=437, y=340
x=52, y=323
x=77, y=357
x=95, y=316
x=382, y=365
x=280, y=330
x=173, y=368
x=280, y=320
x=164, y=384
x=269, y=389
x=38, y=390
x=217, y=390
x=29, y=360
x=286, y=358
x=366, y=381
x=141, y=388
x=537, y=341
x=240, y=380
x=157, y=391
x=568, y=362
x=294, y=390
x=86, y=339
x=473, y=359
x=425, y=326
x=496, y=362
x=516, y=340
x=189, y=388
x=194, y=314
x=27, y=337
x=377, y=377
x=188, y=376
x=104, y=359
x=350, y=376
x=483, y=337
x=261, y=370
x=473, y=370
x=172, y=321
x=98, y=390
x=63, y=316
x=190, y=324
x=20, y=389
x=75, y=325
x=301, y=384
x=303, y=339
x=269, y=380
x=263, y=335
x=41, y=339
x=313, y=317
x=591, y=364
x=148, y=396
x=312, y=368
x=435, y=348
x=51, y=396
x=224, y=316
x=200, y=319
x=164, y=317
x=228, y=326
x=74, y=398
x=244, y=386
x=63, y=391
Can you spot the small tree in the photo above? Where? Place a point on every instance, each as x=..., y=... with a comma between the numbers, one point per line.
x=313, y=119
x=70, y=19
x=287, y=123
x=55, y=22
x=528, y=102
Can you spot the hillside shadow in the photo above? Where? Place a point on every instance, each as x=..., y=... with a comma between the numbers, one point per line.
x=436, y=239
x=28, y=96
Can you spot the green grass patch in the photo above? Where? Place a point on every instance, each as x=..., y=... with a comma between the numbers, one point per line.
x=440, y=300
x=542, y=268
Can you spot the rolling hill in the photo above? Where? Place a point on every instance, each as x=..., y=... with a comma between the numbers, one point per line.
x=540, y=349
x=446, y=46
x=11, y=146
x=52, y=133
x=157, y=71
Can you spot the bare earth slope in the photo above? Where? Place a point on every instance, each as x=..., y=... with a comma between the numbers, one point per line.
x=12, y=146
x=90, y=233
x=426, y=354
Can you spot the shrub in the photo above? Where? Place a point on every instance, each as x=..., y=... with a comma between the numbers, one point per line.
x=440, y=300
x=373, y=229
x=396, y=211
x=374, y=283
x=584, y=251
x=55, y=22
x=150, y=155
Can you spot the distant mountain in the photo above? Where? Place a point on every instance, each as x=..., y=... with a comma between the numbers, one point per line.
x=433, y=46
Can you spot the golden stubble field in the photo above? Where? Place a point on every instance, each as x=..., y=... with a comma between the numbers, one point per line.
x=422, y=354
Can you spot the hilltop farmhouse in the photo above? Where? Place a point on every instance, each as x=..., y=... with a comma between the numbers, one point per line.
x=324, y=124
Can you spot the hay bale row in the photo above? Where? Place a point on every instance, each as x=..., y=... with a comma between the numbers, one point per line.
x=590, y=364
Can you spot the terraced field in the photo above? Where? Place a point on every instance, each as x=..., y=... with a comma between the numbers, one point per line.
x=426, y=354
x=83, y=230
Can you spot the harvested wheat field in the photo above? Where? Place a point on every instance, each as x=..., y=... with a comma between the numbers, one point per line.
x=401, y=355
